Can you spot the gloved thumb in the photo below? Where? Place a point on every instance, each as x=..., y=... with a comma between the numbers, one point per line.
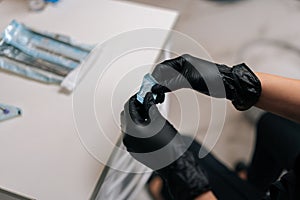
x=160, y=89
x=150, y=108
x=175, y=83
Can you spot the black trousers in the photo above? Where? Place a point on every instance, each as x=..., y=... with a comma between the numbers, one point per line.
x=225, y=183
x=277, y=145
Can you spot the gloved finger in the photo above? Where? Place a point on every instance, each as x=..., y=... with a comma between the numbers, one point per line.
x=175, y=83
x=159, y=89
x=160, y=98
x=135, y=110
x=148, y=101
x=168, y=68
x=154, y=117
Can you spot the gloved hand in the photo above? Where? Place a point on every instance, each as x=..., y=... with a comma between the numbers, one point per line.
x=238, y=84
x=146, y=131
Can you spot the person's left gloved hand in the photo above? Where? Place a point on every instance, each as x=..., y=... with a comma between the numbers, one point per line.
x=238, y=83
x=147, y=131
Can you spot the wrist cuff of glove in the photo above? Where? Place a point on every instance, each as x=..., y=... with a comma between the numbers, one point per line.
x=247, y=87
x=185, y=177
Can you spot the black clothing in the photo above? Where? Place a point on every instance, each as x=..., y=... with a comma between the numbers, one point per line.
x=277, y=146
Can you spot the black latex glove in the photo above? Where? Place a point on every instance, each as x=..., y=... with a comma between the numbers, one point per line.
x=238, y=84
x=146, y=131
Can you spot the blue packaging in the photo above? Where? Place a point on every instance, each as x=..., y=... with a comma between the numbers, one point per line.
x=42, y=56
x=8, y=112
x=148, y=82
x=43, y=47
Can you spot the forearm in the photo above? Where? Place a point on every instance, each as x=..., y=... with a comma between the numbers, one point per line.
x=280, y=95
x=206, y=196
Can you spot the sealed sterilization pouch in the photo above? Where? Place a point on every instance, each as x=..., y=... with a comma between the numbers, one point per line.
x=28, y=71
x=42, y=56
x=18, y=56
x=43, y=47
x=8, y=112
x=147, y=84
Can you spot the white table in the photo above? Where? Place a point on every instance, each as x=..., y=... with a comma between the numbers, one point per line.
x=41, y=154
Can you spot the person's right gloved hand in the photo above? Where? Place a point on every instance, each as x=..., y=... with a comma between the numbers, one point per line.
x=238, y=83
x=147, y=131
